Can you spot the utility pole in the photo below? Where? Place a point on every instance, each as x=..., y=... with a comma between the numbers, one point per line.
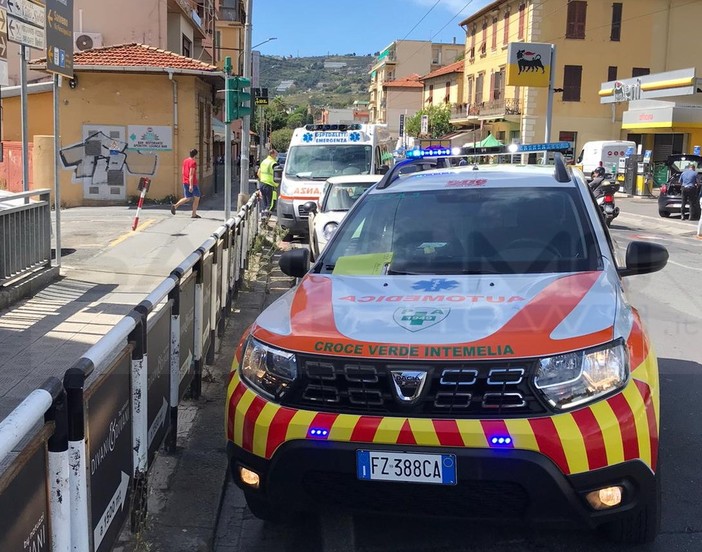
x=246, y=121
x=227, y=143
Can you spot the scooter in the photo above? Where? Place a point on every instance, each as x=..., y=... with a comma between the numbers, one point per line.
x=604, y=191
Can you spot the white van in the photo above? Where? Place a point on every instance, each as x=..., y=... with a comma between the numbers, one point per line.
x=603, y=153
x=318, y=152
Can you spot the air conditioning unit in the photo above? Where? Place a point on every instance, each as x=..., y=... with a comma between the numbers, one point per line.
x=87, y=41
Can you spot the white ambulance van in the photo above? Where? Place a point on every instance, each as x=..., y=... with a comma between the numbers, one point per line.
x=603, y=153
x=317, y=152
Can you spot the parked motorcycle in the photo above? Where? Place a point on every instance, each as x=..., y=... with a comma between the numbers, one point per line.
x=604, y=191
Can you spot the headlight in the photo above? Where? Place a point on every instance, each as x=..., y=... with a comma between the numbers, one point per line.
x=329, y=229
x=268, y=370
x=576, y=378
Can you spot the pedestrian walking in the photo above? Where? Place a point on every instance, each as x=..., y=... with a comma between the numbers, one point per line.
x=267, y=186
x=191, y=190
x=689, y=192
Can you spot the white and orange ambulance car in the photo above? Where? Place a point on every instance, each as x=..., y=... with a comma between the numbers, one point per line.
x=463, y=346
x=318, y=152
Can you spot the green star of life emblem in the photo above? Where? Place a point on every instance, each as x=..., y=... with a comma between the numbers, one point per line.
x=419, y=318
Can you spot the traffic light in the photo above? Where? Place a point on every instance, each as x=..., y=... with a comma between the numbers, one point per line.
x=237, y=102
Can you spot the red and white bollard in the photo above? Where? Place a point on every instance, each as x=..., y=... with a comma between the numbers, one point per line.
x=144, y=187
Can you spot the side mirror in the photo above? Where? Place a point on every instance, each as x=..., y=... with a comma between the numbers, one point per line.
x=277, y=174
x=310, y=206
x=295, y=262
x=643, y=258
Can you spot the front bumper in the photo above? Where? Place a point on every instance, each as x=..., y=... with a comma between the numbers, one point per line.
x=491, y=484
x=290, y=219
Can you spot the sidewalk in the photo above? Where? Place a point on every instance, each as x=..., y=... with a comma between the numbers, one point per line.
x=106, y=270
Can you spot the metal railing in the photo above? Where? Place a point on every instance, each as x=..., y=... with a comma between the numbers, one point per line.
x=505, y=106
x=25, y=234
x=68, y=493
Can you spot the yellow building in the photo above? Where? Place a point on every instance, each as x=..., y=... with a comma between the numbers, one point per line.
x=596, y=41
x=131, y=111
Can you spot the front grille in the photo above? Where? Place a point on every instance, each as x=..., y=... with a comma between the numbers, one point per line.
x=451, y=390
x=479, y=499
x=302, y=213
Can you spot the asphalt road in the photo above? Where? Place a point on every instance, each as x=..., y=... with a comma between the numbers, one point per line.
x=671, y=305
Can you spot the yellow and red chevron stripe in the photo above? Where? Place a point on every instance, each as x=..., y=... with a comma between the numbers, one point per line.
x=624, y=427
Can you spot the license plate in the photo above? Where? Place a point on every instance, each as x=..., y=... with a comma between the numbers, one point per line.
x=410, y=467
x=609, y=209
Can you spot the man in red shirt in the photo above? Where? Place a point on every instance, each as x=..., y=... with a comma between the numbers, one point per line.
x=191, y=191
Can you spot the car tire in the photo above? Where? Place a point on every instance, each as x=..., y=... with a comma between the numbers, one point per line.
x=641, y=526
x=262, y=509
x=664, y=214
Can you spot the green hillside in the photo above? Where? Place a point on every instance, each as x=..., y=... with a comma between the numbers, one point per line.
x=328, y=81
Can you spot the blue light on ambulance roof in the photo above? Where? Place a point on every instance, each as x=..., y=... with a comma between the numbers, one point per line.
x=427, y=152
x=500, y=441
x=318, y=433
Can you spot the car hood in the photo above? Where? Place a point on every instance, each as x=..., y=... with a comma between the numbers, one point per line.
x=451, y=317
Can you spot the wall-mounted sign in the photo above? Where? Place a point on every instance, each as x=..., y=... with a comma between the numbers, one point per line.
x=529, y=64
x=141, y=137
x=681, y=82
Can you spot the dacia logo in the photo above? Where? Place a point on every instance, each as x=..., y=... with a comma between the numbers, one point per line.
x=435, y=284
x=408, y=385
x=419, y=318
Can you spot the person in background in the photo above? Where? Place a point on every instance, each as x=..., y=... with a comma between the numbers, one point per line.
x=689, y=192
x=267, y=186
x=191, y=191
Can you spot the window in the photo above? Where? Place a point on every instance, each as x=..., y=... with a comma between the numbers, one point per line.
x=505, y=36
x=572, y=79
x=497, y=84
x=616, y=32
x=640, y=71
x=474, y=30
x=447, y=94
x=612, y=73
x=484, y=31
x=430, y=98
x=187, y=47
x=522, y=20
x=469, y=90
x=494, y=33
x=479, y=88
x=575, y=27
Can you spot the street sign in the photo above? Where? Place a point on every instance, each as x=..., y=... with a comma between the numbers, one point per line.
x=3, y=46
x=24, y=33
x=59, y=37
x=27, y=11
x=3, y=21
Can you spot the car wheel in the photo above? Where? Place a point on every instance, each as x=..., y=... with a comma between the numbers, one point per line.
x=664, y=214
x=262, y=509
x=641, y=526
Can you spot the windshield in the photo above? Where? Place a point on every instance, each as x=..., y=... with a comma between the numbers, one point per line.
x=321, y=162
x=341, y=197
x=466, y=231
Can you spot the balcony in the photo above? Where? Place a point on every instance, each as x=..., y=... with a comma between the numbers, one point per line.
x=494, y=109
x=232, y=10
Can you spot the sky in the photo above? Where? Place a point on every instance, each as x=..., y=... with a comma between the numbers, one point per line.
x=305, y=28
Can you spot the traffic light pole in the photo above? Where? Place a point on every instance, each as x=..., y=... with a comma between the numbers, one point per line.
x=246, y=121
x=227, y=142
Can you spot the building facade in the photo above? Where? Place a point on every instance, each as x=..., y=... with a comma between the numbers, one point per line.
x=595, y=41
x=399, y=60
x=403, y=99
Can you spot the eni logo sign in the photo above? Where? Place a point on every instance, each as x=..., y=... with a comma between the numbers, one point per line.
x=627, y=92
x=529, y=64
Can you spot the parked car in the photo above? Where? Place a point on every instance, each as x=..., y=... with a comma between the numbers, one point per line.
x=280, y=160
x=455, y=352
x=670, y=199
x=338, y=196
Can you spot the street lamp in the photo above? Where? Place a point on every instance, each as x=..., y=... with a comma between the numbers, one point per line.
x=267, y=40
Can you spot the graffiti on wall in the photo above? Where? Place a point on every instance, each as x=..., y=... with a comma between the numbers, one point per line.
x=102, y=160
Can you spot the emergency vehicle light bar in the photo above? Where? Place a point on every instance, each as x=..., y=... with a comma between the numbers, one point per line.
x=339, y=127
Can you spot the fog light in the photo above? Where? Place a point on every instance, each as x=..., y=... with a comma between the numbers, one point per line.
x=605, y=498
x=249, y=477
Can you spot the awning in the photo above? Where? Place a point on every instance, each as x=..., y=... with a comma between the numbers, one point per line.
x=218, y=128
x=661, y=115
x=488, y=142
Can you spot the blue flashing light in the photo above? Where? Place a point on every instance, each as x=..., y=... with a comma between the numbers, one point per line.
x=428, y=152
x=501, y=441
x=318, y=433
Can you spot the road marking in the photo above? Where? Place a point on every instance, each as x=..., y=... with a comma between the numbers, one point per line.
x=698, y=269
x=123, y=237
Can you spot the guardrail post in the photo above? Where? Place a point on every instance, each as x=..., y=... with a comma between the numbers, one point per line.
x=174, y=295
x=213, y=307
x=224, y=284
x=237, y=259
x=196, y=385
x=59, y=474
x=73, y=382
x=140, y=422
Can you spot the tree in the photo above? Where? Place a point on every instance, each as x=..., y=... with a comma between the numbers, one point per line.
x=439, y=117
x=280, y=139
